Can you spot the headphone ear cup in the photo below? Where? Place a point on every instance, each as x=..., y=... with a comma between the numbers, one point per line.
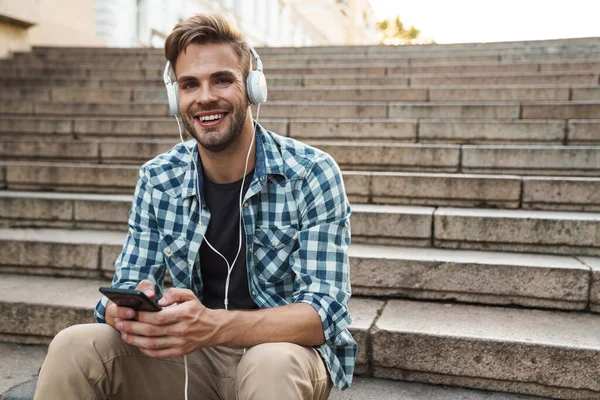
x=173, y=97
x=256, y=86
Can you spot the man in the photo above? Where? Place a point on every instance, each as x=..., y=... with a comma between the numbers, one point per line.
x=259, y=304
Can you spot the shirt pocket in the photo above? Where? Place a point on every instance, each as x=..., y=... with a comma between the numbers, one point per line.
x=175, y=251
x=272, y=248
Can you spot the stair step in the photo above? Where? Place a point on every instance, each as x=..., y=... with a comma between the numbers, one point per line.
x=551, y=232
x=153, y=69
x=482, y=347
x=545, y=281
x=558, y=92
x=400, y=188
x=489, y=348
x=484, y=131
x=363, y=388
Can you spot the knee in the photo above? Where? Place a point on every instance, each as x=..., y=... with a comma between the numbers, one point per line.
x=270, y=359
x=77, y=339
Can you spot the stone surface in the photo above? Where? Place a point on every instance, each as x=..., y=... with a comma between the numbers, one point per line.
x=532, y=160
x=561, y=110
x=507, y=79
x=99, y=109
x=381, y=389
x=398, y=130
x=584, y=131
x=133, y=152
x=55, y=252
x=559, y=193
x=19, y=364
x=70, y=177
x=391, y=156
x=364, y=313
x=402, y=225
x=44, y=149
x=518, y=230
x=492, y=348
x=363, y=388
x=498, y=93
x=466, y=110
x=47, y=306
x=71, y=95
x=376, y=93
x=446, y=189
x=37, y=126
x=357, y=185
x=470, y=276
x=347, y=109
x=461, y=131
x=594, y=264
x=586, y=93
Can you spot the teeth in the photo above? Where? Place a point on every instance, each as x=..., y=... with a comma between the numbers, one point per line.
x=206, y=118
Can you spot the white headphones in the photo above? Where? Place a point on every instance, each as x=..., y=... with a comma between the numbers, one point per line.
x=256, y=85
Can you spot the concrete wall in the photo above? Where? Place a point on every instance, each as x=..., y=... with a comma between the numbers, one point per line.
x=66, y=23
x=26, y=23
x=16, y=17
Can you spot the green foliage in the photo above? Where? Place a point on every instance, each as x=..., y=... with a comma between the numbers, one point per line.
x=393, y=32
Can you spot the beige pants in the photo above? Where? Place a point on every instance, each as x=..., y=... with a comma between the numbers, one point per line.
x=92, y=362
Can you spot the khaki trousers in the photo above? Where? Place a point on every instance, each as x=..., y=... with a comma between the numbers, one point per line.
x=92, y=362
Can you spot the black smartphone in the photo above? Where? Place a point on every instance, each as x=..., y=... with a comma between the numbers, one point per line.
x=131, y=298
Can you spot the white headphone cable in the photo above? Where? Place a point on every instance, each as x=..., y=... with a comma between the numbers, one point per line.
x=229, y=266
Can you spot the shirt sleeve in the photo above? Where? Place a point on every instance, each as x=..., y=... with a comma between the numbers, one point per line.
x=321, y=262
x=141, y=257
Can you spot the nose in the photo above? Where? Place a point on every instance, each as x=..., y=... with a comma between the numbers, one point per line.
x=205, y=95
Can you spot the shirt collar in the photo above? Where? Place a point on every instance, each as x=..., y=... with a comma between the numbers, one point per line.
x=268, y=162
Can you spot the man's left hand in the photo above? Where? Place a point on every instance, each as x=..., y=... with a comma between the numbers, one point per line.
x=174, y=331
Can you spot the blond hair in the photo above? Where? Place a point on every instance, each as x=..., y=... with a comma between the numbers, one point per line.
x=203, y=29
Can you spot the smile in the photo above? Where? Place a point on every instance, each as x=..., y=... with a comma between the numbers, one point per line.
x=210, y=119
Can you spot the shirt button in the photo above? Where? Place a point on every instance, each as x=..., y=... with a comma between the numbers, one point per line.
x=168, y=250
x=251, y=249
x=273, y=243
x=246, y=204
x=262, y=178
x=253, y=293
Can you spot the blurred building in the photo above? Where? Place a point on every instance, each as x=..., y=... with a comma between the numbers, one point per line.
x=145, y=23
x=26, y=23
x=130, y=23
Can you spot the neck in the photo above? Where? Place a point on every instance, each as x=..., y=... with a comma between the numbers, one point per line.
x=230, y=165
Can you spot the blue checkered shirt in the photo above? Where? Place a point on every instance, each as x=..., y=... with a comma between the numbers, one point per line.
x=297, y=221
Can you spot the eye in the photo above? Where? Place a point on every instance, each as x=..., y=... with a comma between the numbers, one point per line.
x=223, y=81
x=189, y=85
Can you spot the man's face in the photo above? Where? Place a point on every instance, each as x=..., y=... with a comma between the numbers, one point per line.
x=212, y=94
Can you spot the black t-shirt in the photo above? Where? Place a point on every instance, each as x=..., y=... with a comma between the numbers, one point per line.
x=223, y=233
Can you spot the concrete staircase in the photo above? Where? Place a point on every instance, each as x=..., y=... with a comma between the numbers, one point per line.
x=473, y=169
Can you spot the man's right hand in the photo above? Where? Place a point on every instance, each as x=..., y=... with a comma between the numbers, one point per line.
x=114, y=313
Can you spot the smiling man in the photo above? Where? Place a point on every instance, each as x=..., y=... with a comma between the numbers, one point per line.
x=252, y=228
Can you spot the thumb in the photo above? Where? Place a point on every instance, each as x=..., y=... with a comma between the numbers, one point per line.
x=175, y=295
x=147, y=287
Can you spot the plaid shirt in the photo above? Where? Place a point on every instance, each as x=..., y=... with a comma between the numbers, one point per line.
x=297, y=222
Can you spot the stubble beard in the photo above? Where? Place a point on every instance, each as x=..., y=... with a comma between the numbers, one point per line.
x=213, y=142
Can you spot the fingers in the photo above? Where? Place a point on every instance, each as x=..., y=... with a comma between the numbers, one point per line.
x=141, y=329
x=152, y=343
x=165, y=317
x=147, y=287
x=174, y=295
x=117, y=312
